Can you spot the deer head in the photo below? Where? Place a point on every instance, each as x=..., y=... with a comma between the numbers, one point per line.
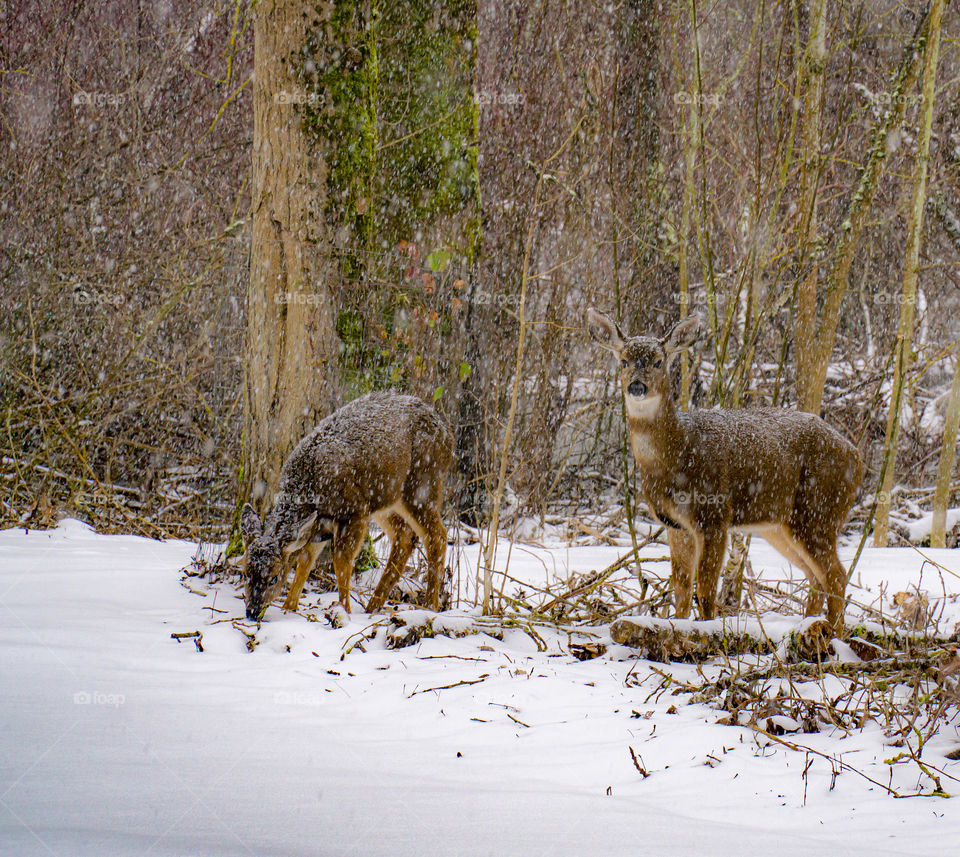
x=645, y=361
x=269, y=557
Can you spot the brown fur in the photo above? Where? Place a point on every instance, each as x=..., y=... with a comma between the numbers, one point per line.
x=781, y=474
x=383, y=456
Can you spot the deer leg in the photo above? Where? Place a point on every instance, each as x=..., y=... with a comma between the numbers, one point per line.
x=827, y=575
x=836, y=592
x=834, y=585
x=814, y=602
x=305, y=562
x=402, y=537
x=683, y=560
x=796, y=554
x=346, y=546
x=818, y=550
x=436, y=547
x=427, y=523
x=708, y=570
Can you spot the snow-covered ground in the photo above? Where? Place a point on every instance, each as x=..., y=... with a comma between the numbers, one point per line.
x=117, y=739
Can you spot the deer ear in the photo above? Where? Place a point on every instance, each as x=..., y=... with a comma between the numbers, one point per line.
x=304, y=534
x=605, y=330
x=250, y=526
x=683, y=334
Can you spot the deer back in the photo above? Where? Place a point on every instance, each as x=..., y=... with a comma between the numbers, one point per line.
x=360, y=458
x=750, y=467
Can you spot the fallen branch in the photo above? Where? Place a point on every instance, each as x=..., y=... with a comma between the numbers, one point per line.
x=636, y=763
x=462, y=683
x=836, y=760
x=697, y=641
x=794, y=640
x=196, y=636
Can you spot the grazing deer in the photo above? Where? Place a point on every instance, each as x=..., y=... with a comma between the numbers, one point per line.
x=383, y=456
x=781, y=474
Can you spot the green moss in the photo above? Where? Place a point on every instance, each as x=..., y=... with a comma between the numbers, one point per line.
x=391, y=110
x=364, y=367
x=428, y=118
x=340, y=69
x=367, y=558
x=235, y=540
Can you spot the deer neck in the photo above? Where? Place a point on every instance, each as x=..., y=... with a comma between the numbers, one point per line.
x=656, y=435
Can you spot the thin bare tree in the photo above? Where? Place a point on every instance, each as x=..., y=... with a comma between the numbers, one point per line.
x=948, y=454
x=903, y=346
x=847, y=236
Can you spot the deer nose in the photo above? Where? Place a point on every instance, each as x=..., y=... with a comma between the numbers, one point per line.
x=637, y=388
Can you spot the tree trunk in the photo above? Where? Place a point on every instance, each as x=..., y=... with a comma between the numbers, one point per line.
x=473, y=450
x=846, y=238
x=291, y=376
x=938, y=536
x=689, y=195
x=812, y=75
x=904, y=343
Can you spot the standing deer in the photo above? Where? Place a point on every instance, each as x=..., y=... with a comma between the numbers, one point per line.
x=384, y=456
x=781, y=474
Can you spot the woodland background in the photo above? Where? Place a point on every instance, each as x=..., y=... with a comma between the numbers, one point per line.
x=218, y=220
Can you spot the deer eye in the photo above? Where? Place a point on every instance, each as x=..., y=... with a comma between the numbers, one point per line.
x=274, y=579
x=624, y=363
x=658, y=364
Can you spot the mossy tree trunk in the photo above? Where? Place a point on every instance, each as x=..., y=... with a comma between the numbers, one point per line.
x=291, y=377
x=903, y=349
x=365, y=137
x=428, y=193
x=938, y=535
x=812, y=71
x=339, y=64
x=847, y=236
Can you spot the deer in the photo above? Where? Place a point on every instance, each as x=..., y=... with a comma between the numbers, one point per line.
x=782, y=474
x=382, y=456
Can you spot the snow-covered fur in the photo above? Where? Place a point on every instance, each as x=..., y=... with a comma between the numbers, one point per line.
x=774, y=472
x=383, y=455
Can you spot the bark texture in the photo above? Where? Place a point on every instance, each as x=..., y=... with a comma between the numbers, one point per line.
x=292, y=347
x=903, y=346
x=813, y=376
